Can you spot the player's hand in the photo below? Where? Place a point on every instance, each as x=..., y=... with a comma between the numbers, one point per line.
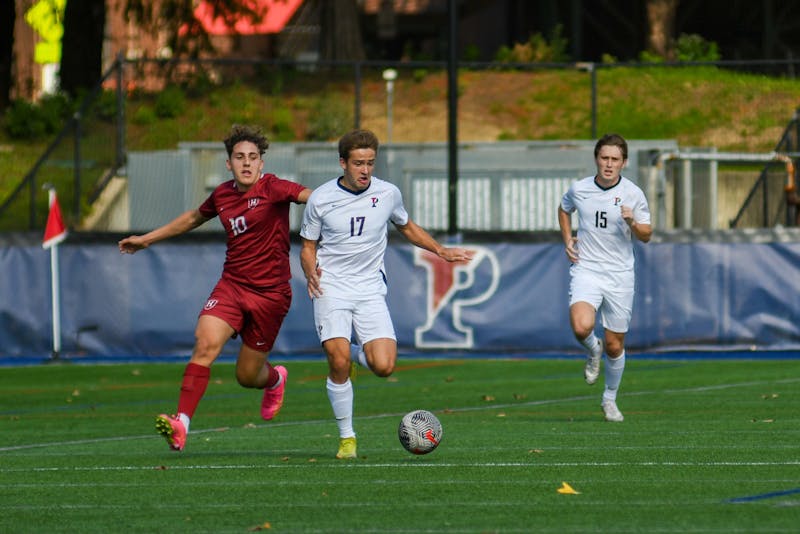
x=312, y=280
x=456, y=254
x=627, y=214
x=571, y=249
x=131, y=244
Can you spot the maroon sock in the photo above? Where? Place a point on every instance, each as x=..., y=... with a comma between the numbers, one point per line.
x=273, y=377
x=195, y=381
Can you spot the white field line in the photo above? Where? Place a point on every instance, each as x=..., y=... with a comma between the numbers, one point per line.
x=401, y=465
x=384, y=415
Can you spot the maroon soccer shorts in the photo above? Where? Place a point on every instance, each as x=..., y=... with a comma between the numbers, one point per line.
x=256, y=315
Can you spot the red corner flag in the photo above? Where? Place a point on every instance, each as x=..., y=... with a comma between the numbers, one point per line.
x=55, y=232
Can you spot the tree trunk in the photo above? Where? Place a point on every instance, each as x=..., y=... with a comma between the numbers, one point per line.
x=340, y=31
x=661, y=21
x=7, y=21
x=82, y=45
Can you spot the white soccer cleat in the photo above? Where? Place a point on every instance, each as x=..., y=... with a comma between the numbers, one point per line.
x=611, y=412
x=592, y=369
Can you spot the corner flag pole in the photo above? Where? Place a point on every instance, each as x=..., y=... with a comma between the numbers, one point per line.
x=54, y=233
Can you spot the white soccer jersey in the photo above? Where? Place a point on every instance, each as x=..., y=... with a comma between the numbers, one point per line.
x=604, y=238
x=352, y=232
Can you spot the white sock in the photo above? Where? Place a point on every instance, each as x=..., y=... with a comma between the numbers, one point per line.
x=613, y=369
x=341, y=397
x=591, y=343
x=185, y=420
x=357, y=355
x=278, y=383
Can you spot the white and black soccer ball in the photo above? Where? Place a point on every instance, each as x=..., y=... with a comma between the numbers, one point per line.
x=420, y=432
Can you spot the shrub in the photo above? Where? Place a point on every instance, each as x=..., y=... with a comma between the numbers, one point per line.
x=170, y=103
x=689, y=47
x=144, y=116
x=418, y=75
x=56, y=109
x=26, y=120
x=537, y=49
x=471, y=53
x=105, y=107
x=693, y=47
x=327, y=120
x=645, y=56
x=281, y=128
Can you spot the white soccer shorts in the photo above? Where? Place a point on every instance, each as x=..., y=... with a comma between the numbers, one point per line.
x=610, y=293
x=368, y=318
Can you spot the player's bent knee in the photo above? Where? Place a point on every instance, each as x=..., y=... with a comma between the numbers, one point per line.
x=247, y=380
x=382, y=368
x=383, y=372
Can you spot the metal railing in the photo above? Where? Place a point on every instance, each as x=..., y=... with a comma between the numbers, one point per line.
x=766, y=203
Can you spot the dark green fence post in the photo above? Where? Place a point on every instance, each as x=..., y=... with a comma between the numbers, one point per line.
x=76, y=214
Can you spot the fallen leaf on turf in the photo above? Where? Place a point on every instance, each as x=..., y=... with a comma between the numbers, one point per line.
x=488, y=398
x=265, y=526
x=566, y=489
x=520, y=396
x=535, y=451
x=501, y=414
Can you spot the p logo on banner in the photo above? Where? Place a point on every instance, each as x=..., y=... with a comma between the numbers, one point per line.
x=451, y=287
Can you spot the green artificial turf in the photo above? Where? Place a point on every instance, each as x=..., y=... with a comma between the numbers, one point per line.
x=706, y=446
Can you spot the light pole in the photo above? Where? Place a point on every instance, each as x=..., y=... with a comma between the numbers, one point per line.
x=390, y=75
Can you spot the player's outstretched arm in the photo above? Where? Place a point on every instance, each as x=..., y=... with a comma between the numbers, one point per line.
x=181, y=224
x=417, y=235
x=302, y=198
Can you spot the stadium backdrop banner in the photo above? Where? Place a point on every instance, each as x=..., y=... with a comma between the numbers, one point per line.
x=511, y=298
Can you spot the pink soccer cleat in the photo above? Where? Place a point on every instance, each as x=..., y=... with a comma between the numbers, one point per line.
x=273, y=398
x=173, y=431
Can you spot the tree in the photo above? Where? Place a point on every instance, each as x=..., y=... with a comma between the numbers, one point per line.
x=661, y=25
x=8, y=18
x=340, y=32
x=185, y=34
x=82, y=45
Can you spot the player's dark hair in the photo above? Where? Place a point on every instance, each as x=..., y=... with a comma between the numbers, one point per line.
x=240, y=132
x=612, y=139
x=355, y=140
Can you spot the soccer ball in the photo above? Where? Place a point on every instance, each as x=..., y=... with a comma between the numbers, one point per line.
x=420, y=432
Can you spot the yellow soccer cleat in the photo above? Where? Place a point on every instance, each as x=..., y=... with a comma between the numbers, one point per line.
x=347, y=448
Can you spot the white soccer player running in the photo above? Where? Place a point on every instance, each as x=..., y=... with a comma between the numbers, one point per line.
x=344, y=231
x=610, y=209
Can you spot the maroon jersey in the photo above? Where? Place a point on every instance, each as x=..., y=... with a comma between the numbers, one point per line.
x=257, y=224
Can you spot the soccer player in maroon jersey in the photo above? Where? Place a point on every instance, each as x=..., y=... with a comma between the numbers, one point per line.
x=253, y=293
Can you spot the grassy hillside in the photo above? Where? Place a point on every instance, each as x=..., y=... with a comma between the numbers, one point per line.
x=698, y=107
x=695, y=106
